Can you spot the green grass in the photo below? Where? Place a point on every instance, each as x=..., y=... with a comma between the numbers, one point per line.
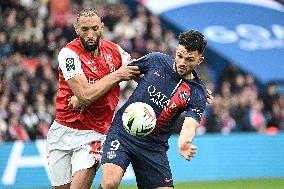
x=238, y=184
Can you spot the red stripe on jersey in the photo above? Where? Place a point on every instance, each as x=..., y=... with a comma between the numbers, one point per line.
x=178, y=100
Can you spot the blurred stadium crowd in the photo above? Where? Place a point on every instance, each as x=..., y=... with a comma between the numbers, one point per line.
x=32, y=33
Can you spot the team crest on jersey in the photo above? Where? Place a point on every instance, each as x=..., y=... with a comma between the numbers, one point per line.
x=111, y=154
x=183, y=95
x=70, y=65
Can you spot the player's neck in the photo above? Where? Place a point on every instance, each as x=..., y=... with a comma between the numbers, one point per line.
x=189, y=76
x=95, y=53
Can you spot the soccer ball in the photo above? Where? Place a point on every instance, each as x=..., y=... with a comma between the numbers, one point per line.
x=139, y=119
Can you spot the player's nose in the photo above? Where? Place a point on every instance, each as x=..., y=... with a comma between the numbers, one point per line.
x=91, y=34
x=182, y=62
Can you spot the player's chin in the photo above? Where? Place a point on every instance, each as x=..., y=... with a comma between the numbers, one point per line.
x=91, y=47
x=181, y=74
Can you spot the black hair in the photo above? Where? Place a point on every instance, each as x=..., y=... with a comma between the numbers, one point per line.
x=193, y=40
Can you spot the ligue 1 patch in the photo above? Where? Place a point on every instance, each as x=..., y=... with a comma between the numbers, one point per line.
x=70, y=65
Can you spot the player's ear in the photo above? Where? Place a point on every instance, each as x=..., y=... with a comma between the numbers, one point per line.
x=102, y=27
x=201, y=59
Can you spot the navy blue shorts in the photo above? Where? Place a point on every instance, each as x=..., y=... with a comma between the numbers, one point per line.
x=151, y=167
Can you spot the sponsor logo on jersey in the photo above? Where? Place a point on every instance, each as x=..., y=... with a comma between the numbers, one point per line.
x=198, y=112
x=158, y=74
x=90, y=62
x=70, y=65
x=108, y=58
x=93, y=69
x=92, y=80
x=164, y=102
x=112, y=67
x=158, y=97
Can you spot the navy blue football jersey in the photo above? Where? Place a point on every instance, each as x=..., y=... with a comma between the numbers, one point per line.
x=167, y=93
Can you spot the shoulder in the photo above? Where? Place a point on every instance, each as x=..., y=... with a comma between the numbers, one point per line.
x=107, y=43
x=66, y=52
x=163, y=58
x=198, y=89
x=199, y=94
x=157, y=56
x=75, y=46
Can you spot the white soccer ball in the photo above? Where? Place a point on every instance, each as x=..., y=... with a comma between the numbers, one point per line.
x=139, y=119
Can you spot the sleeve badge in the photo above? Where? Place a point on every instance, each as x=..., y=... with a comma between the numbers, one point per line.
x=70, y=65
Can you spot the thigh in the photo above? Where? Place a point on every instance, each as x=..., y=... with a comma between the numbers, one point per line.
x=152, y=169
x=86, y=156
x=115, y=151
x=85, y=162
x=115, y=160
x=59, y=165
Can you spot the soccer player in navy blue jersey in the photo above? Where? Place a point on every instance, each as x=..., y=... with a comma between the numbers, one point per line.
x=171, y=86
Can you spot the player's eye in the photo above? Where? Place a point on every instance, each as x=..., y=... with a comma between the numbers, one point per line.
x=95, y=28
x=190, y=59
x=84, y=29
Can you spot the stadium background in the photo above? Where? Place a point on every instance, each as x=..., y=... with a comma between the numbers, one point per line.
x=241, y=134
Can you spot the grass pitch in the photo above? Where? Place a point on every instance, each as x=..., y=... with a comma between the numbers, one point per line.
x=236, y=184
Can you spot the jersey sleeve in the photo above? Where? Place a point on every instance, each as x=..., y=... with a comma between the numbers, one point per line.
x=125, y=57
x=145, y=62
x=196, y=109
x=69, y=63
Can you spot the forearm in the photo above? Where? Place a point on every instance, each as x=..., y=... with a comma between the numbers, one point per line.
x=88, y=93
x=187, y=133
x=188, y=130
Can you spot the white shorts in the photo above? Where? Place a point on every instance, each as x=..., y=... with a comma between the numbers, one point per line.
x=71, y=150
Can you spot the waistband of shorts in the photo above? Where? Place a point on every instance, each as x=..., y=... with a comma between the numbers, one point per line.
x=74, y=125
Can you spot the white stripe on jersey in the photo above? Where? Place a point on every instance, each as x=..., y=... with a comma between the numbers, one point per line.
x=125, y=57
x=175, y=89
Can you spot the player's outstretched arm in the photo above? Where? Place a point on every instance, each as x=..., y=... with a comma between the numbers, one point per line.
x=88, y=93
x=187, y=134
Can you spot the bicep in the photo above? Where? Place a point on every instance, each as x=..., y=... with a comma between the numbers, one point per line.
x=70, y=65
x=77, y=84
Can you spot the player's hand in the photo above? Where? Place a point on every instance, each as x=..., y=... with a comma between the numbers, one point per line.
x=74, y=103
x=126, y=73
x=209, y=96
x=187, y=150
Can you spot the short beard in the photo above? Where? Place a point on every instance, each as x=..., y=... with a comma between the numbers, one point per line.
x=88, y=47
x=175, y=65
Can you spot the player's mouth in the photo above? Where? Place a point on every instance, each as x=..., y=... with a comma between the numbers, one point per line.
x=181, y=69
x=91, y=42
